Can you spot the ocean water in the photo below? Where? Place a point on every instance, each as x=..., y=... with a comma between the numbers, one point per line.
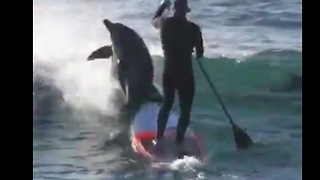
x=253, y=53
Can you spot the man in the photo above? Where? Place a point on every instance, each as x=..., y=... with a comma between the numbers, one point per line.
x=178, y=37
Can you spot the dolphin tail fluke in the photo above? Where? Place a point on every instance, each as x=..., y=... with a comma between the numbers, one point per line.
x=102, y=52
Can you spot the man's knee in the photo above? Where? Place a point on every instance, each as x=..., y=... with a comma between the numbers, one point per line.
x=185, y=118
x=185, y=108
x=166, y=107
x=168, y=102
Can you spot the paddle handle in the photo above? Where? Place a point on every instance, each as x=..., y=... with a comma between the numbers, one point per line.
x=216, y=92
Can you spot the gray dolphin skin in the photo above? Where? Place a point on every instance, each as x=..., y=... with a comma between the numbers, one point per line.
x=294, y=84
x=134, y=70
x=135, y=67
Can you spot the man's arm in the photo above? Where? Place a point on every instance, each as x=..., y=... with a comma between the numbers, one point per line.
x=157, y=19
x=198, y=41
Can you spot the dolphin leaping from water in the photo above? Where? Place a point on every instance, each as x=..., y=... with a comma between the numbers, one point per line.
x=134, y=66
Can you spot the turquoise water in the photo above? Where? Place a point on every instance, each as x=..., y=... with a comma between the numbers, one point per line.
x=251, y=48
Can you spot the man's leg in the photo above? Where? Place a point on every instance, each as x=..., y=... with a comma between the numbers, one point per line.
x=168, y=92
x=186, y=92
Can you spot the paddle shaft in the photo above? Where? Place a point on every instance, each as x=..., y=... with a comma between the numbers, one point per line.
x=216, y=92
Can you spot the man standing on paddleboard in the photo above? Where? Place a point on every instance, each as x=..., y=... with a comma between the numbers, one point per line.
x=178, y=37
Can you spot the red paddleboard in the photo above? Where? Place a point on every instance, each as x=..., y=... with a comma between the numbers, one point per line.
x=144, y=131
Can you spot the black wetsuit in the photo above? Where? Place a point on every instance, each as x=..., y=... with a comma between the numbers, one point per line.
x=178, y=36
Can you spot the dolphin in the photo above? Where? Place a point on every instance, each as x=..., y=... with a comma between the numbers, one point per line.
x=134, y=66
x=294, y=84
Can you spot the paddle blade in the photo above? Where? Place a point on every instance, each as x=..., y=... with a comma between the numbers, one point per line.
x=243, y=140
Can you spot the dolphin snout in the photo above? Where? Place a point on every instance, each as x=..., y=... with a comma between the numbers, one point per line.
x=107, y=23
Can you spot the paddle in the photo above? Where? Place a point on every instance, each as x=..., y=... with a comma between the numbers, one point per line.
x=242, y=139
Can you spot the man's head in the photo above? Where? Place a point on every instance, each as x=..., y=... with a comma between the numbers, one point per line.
x=181, y=7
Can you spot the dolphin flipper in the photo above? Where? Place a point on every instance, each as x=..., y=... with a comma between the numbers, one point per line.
x=102, y=52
